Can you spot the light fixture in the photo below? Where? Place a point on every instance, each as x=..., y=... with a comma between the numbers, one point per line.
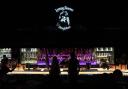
x=61, y=69
x=42, y=69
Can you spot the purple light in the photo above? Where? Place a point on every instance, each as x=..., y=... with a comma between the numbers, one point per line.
x=64, y=54
x=43, y=63
x=80, y=63
x=84, y=63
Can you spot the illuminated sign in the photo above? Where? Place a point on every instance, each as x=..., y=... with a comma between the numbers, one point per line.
x=63, y=21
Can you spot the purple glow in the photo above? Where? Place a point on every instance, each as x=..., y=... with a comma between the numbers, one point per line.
x=43, y=63
x=83, y=55
x=84, y=63
x=81, y=63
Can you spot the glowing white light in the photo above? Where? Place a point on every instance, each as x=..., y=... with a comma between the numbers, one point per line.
x=31, y=49
x=23, y=50
x=61, y=69
x=42, y=69
x=35, y=49
x=101, y=49
x=9, y=49
x=97, y=49
x=111, y=49
x=63, y=19
x=106, y=49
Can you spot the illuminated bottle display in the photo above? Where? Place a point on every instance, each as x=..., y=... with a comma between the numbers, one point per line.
x=5, y=51
x=29, y=55
x=106, y=53
x=64, y=54
x=41, y=56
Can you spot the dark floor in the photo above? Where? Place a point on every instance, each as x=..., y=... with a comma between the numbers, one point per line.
x=44, y=82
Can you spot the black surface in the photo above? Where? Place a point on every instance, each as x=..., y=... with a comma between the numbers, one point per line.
x=43, y=81
x=32, y=24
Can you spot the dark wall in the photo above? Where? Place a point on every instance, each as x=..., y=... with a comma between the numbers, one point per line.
x=93, y=24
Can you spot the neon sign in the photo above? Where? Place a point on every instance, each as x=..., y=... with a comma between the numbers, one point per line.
x=63, y=21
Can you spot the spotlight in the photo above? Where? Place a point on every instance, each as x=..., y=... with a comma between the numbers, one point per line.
x=42, y=69
x=61, y=69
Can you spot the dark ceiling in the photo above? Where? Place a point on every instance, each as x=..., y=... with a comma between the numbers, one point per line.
x=93, y=23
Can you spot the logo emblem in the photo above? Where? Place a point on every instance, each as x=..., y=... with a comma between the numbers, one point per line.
x=63, y=21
